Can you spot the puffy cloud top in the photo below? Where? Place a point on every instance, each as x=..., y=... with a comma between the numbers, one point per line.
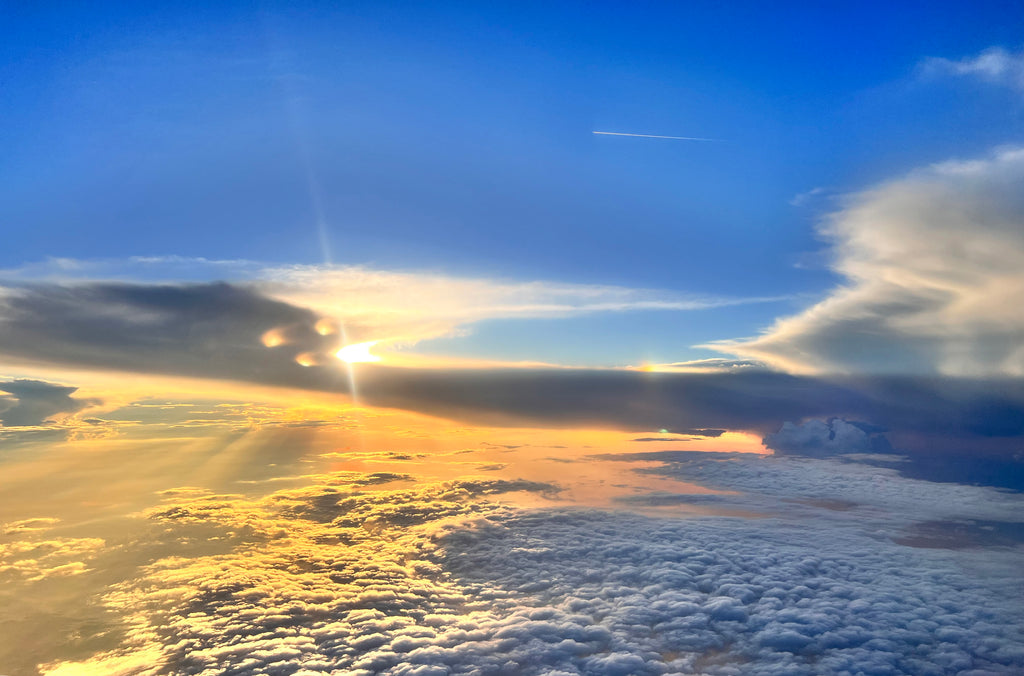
x=934, y=269
x=434, y=580
x=819, y=438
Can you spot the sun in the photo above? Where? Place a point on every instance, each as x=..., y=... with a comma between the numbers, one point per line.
x=358, y=352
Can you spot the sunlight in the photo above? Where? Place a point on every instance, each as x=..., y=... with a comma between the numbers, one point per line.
x=358, y=352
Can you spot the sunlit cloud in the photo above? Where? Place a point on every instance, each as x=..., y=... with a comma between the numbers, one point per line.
x=933, y=264
x=358, y=572
x=395, y=307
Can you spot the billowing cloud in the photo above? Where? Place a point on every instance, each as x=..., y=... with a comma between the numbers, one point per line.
x=995, y=65
x=33, y=402
x=934, y=272
x=822, y=438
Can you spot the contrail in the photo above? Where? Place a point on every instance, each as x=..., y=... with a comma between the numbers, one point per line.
x=676, y=138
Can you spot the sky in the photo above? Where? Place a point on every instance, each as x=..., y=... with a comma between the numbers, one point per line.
x=334, y=338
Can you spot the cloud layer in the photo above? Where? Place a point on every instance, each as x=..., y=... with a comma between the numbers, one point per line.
x=435, y=579
x=221, y=331
x=934, y=272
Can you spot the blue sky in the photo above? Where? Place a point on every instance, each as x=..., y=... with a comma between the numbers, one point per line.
x=456, y=138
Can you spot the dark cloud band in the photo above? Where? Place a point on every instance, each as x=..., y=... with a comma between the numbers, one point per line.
x=215, y=330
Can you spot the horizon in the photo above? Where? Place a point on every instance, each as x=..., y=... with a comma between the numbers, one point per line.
x=568, y=339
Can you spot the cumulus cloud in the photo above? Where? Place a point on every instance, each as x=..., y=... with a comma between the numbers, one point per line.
x=995, y=65
x=33, y=402
x=822, y=438
x=934, y=272
x=32, y=554
x=435, y=580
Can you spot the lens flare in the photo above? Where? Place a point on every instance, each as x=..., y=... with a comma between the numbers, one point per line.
x=307, y=359
x=273, y=338
x=326, y=327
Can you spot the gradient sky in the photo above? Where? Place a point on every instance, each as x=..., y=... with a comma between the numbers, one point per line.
x=457, y=137
x=640, y=406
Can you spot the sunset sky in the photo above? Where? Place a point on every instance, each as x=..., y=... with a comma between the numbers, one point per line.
x=334, y=338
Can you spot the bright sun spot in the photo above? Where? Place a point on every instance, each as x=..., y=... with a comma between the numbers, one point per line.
x=358, y=352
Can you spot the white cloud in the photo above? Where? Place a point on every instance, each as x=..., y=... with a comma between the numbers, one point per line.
x=407, y=306
x=821, y=438
x=995, y=65
x=432, y=580
x=887, y=498
x=934, y=272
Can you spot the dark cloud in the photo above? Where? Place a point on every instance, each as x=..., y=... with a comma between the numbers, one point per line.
x=33, y=402
x=215, y=330
x=756, y=400
x=205, y=330
x=658, y=439
x=691, y=432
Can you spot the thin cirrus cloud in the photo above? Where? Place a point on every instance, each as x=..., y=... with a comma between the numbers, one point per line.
x=933, y=268
x=995, y=65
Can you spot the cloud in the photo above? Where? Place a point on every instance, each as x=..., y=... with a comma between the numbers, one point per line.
x=948, y=409
x=820, y=438
x=695, y=432
x=215, y=331
x=709, y=364
x=899, y=500
x=220, y=331
x=207, y=330
x=803, y=198
x=391, y=306
x=995, y=65
x=934, y=272
x=33, y=402
x=434, y=579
